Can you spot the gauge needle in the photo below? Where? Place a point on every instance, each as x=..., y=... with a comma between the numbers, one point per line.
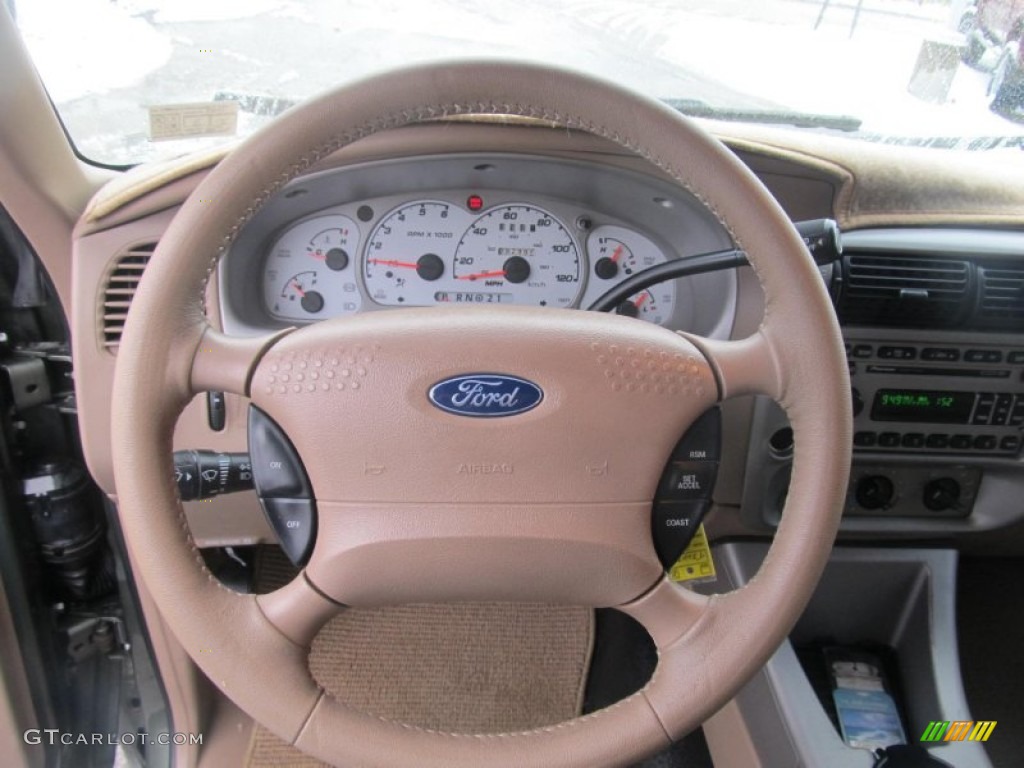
x=477, y=275
x=298, y=288
x=639, y=301
x=393, y=263
x=616, y=254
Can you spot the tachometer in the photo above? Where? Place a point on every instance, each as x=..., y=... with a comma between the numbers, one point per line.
x=309, y=273
x=410, y=251
x=520, y=253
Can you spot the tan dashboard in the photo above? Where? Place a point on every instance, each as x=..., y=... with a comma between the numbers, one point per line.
x=811, y=176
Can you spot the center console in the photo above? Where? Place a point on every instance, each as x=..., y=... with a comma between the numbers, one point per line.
x=900, y=599
x=933, y=323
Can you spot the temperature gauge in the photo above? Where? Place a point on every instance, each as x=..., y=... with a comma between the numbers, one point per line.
x=309, y=273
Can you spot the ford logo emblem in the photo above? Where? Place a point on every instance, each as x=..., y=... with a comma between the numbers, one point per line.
x=486, y=395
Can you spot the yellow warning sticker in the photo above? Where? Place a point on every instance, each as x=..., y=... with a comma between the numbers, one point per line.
x=695, y=564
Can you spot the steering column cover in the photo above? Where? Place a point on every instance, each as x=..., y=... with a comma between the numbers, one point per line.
x=167, y=349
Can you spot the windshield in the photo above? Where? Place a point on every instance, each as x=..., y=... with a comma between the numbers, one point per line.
x=137, y=80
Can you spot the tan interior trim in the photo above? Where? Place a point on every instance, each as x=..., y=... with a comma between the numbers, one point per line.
x=144, y=179
x=875, y=184
x=729, y=740
x=891, y=185
x=43, y=185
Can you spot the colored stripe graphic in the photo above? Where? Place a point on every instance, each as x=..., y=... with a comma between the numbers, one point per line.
x=982, y=730
x=935, y=730
x=958, y=730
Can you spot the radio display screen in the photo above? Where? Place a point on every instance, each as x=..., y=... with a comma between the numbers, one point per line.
x=922, y=405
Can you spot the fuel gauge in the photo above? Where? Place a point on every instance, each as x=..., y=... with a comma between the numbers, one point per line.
x=302, y=287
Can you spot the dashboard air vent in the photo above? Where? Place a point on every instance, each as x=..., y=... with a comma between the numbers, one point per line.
x=905, y=290
x=120, y=289
x=1002, y=296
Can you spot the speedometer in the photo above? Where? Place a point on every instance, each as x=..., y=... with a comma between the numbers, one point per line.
x=517, y=254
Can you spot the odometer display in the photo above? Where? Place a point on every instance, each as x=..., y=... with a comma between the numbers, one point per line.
x=523, y=251
x=918, y=405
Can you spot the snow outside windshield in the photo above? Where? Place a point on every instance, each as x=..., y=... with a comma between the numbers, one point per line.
x=137, y=80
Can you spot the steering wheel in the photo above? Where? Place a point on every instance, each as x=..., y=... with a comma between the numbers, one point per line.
x=397, y=522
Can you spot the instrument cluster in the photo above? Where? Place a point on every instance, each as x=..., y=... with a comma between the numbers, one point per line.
x=455, y=249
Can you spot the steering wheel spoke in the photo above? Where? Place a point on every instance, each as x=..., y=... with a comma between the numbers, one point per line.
x=225, y=363
x=298, y=610
x=667, y=611
x=742, y=367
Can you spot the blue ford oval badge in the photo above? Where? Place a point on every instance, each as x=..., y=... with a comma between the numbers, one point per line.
x=486, y=395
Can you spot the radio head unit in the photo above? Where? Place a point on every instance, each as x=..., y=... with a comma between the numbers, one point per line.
x=972, y=401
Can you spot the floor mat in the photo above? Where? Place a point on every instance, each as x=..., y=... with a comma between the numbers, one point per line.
x=475, y=668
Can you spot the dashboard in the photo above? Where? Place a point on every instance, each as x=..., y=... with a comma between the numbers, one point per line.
x=440, y=216
x=471, y=230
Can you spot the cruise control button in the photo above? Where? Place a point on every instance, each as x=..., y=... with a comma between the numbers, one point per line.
x=703, y=440
x=294, y=522
x=673, y=525
x=688, y=480
x=276, y=468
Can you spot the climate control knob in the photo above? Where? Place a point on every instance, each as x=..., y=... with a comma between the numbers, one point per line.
x=874, y=492
x=941, y=494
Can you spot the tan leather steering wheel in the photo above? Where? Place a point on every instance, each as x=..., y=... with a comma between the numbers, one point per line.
x=397, y=521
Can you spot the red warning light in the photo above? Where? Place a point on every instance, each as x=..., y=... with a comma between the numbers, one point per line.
x=474, y=202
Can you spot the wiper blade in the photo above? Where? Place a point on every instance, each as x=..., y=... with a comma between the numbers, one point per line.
x=697, y=108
